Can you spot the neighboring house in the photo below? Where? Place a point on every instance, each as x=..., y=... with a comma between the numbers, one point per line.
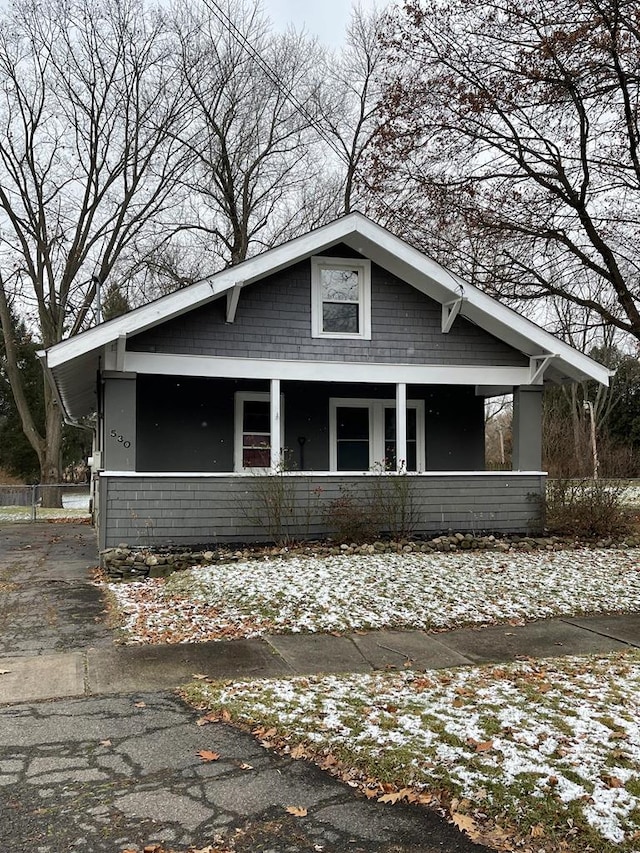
x=274, y=394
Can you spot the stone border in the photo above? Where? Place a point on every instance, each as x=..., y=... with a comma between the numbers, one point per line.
x=125, y=563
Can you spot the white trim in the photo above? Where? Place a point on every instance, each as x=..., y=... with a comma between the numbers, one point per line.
x=240, y=398
x=324, y=371
x=363, y=267
x=401, y=426
x=312, y=474
x=275, y=423
x=376, y=409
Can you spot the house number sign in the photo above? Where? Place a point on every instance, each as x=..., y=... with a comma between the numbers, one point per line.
x=120, y=438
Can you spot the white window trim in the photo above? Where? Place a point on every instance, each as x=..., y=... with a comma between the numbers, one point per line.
x=241, y=397
x=363, y=266
x=376, y=429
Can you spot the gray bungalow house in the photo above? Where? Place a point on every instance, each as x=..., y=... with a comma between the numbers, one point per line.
x=274, y=395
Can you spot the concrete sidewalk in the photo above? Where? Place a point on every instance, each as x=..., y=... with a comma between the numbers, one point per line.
x=127, y=669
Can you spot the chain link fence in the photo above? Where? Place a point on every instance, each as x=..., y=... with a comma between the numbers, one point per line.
x=58, y=501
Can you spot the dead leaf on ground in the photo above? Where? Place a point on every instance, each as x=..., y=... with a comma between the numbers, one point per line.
x=480, y=746
x=244, y=766
x=208, y=718
x=465, y=823
x=208, y=755
x=4, y=671
x=105, y=743
x=297, y=811
x=139, y=704
x=395, y=796
x=422, y=683
x=199, y=676
x=298, y=751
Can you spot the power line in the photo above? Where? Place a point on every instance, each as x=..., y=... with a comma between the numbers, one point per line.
x=227, y=22
x=273, y=75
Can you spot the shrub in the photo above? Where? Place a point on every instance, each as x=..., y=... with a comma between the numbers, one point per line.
x=353, y=518
x=586, y=508
x=397, y=508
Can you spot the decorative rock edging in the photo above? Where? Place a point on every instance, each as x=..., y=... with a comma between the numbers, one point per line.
x=136, y=563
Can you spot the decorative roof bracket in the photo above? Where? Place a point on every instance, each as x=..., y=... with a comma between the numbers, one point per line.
x=537, y=366
x=121, y=351
x=233, y=297
x=450, y=311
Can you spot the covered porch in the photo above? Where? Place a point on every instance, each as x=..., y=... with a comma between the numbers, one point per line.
x=189, y=458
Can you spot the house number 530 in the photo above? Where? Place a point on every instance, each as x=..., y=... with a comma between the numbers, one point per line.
x=119, y=438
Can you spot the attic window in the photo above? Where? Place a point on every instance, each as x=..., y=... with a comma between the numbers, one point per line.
x=340, y=298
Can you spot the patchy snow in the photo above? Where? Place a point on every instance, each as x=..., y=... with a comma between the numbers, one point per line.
x=556, y=741
x=361, y=592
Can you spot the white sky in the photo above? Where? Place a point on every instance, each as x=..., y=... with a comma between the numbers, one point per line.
x=325, y=19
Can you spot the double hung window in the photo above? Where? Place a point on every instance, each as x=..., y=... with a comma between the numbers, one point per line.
x=253, y=431
x=340, y=298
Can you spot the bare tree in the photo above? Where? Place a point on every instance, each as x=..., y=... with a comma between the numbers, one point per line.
x=89, y=116
x=250, y=130
x=516, y=124
x=348, y=103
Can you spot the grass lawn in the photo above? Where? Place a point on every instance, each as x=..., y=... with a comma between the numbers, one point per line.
x=346, y=593
x=25, y=513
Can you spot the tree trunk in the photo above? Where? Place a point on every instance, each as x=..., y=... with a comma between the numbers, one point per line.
x=50, y=454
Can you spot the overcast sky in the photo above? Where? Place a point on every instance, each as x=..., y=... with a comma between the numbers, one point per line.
x=326, y=19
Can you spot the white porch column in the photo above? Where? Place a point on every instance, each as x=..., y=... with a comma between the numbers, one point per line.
x=274, y=424
x=401, y=426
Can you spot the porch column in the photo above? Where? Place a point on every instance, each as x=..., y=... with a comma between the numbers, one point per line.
x=274, y=423
x=401, y=426
x=119, y=422
x=527, y=428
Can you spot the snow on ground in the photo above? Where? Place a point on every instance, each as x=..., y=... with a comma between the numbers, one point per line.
x=359, y=592
x=25, y=513
x=553, y=746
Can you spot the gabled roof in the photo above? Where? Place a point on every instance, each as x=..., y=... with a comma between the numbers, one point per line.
x=73, y=363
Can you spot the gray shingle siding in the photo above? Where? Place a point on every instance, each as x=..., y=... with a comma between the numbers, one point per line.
x=158, y=511
x=273, y=320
